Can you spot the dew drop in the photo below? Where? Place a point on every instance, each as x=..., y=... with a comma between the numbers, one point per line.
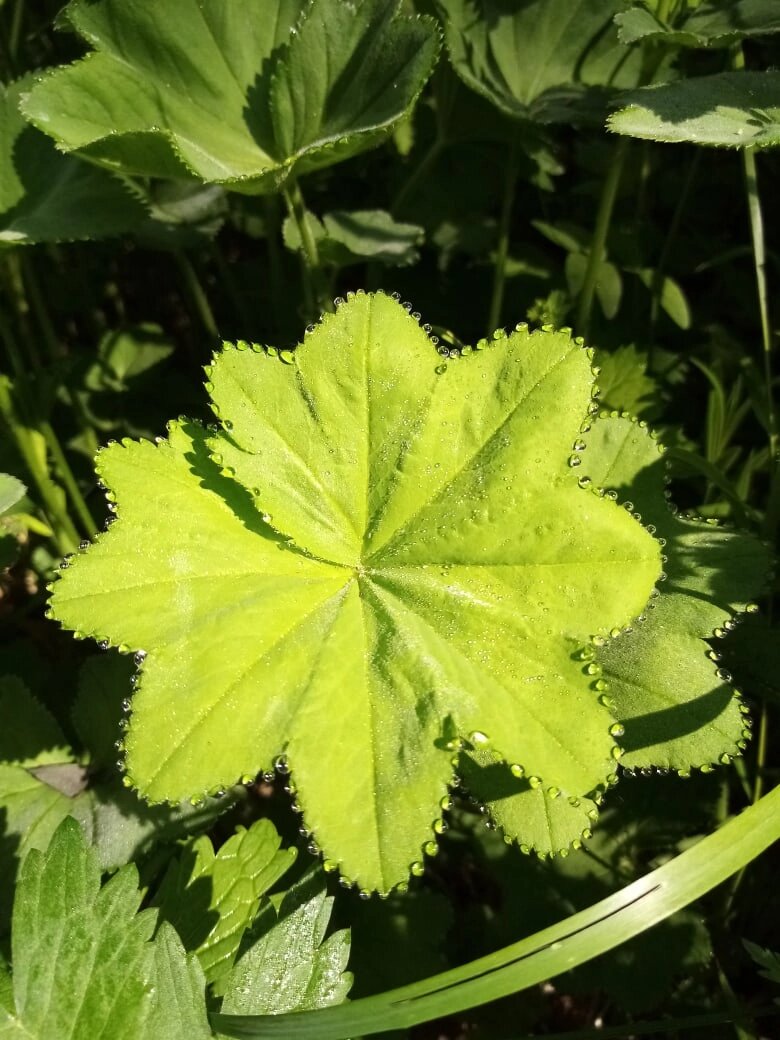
x=430, y=848
x=330, y=866
x=618, y=730
x=584, y=481
x=440, y=827
x=287, y=356
x=534, y=781
x=479, y=739
x=723, y=674
x=751, y=608
x=417, y=868
x=516, y=770
x=574, y=461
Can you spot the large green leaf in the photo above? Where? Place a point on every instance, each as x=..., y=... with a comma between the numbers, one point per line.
x=84, y=967
x=727, y=110
x=715, y=23
x=664, y=681
x=400, y=560
x=545, y=954
x=543, y=60
x=245, y=95
x=49, y=197
x=82, y=962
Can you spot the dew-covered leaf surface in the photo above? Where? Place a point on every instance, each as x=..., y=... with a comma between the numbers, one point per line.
x=726, y=110
x=665, y=681
x=380, y=555
x=292, y=966
x=242, y=94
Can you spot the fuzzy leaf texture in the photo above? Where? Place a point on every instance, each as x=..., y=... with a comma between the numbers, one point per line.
x=726, y=110
x=712, y=573
x=82, y=961
x=547, y=61
x=380, y=555
x=49, y=197
x=245, y=95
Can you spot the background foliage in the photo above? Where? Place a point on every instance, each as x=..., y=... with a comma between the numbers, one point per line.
x=173, y=175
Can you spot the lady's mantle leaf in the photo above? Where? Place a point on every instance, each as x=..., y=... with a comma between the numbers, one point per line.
x=665, y=682
x=244, y=94
x=432, y=571
x=727, y=110
x=543, y=60
x=49, y=197
x=714, y=23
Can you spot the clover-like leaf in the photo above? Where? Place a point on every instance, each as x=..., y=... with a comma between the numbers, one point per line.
x=240, y=94
x=725, y=110
x=49, y=197
x=714, y=23
x=541, y=60
x=665, y=682
x=383, y=555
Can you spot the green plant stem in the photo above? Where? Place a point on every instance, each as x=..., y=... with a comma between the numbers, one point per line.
x=502, y=250
x=15, y=280
x=420, y=171
x=65, y=473
x=64, y=534
x=236, y=299
x=598, y=244
x=659, y=274
x=15, y=35
x=55, y=351
x=197, y=295
x=313, y=276
x=544, y=955
x=273, y=226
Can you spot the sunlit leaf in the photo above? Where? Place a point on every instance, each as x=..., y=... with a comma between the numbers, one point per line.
x=664, y=682
x=49, y=197
x=246, y=96
x=714, y=23
x=370, y=606
x=726, y=110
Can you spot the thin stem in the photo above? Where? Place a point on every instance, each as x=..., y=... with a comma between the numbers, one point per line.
x=236, y=299
x=674, y=226
x=21, y=305
x=313, y=276
x=55, y=350
x=502, y=251
x=598, y=244
x=65, y=474
x=15, y=34
x=65, y=535
x=273, y=223
x=197, y=294
x=410, y=184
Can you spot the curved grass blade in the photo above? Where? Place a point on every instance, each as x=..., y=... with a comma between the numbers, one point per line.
x=573, y=941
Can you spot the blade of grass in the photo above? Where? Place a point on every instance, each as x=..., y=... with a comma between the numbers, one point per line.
x=577, y=939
